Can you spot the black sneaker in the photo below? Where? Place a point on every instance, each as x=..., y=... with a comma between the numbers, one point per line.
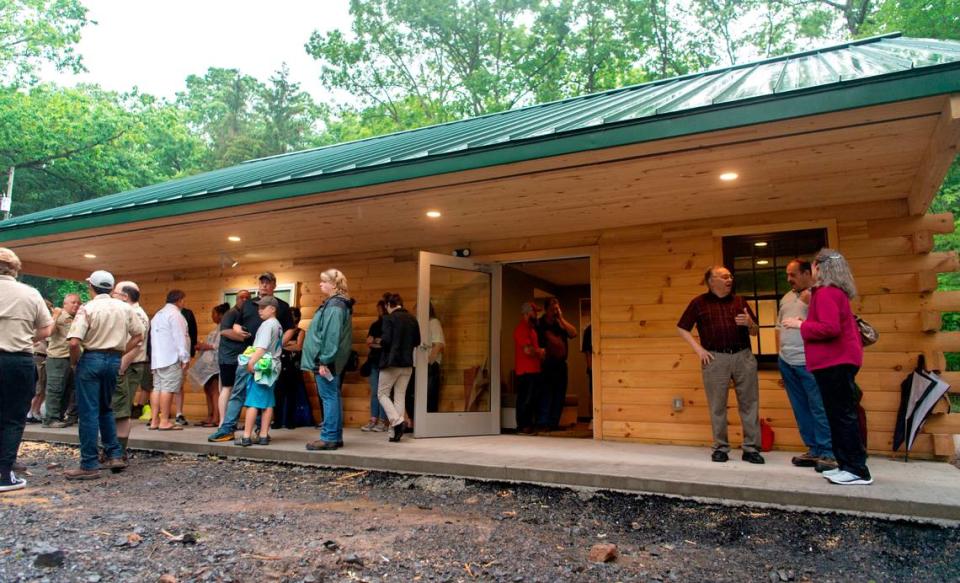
x=245, y=442
x=181, y=420
x=264, y=440
x=719, y=456
x=397, y=433
x=753, y=457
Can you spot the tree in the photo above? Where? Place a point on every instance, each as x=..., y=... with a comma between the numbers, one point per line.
x=39, y=31
x=289, y=114
x=455, y=58
x=69, y=145
x=916, y=18
x=220, y=107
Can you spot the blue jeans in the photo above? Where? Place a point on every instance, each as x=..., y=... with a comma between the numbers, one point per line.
x=96, y=382
x=238, y=394
x=807, y=403
x=329, y=391
x=376, y=411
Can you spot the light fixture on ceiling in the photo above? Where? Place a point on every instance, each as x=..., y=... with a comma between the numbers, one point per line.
x=233, y=238
x=227, y=260
x=434, y=214
x=760, y=244
x=89, y=255
x=762, y=262
x=729, y=176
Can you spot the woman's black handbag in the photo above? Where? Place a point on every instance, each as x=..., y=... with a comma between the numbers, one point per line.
x=353, y=362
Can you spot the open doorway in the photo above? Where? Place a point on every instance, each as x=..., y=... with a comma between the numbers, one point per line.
x=567, y=283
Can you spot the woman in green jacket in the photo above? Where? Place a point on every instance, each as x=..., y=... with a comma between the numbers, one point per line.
x=326, y=350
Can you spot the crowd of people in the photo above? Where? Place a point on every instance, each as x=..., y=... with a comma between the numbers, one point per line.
x=106, y=363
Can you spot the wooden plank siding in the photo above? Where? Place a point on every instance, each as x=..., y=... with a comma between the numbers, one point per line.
x=645, y=277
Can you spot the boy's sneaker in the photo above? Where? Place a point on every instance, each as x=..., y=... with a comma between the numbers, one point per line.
x=264, y=440
x=220, y=436
x=245, y=442
x=181, y=420
x=11, y=483
x=845, y=478
x=370, y=426
x=146, y=415
x=54, y=424
x=381, y=426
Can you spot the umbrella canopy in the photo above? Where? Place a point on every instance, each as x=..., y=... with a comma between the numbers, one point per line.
x=919, y=392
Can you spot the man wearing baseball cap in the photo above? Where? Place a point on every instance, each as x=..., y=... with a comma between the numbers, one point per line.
x=248, y=325
x=105, y=328
x=527, y=357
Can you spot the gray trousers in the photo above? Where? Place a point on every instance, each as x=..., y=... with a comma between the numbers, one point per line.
x=59, y=380
x=742, y=368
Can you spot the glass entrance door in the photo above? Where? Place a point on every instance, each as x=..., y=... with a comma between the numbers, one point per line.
x=457, y=364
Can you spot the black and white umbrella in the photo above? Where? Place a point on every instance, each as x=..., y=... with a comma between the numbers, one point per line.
x=919, y=392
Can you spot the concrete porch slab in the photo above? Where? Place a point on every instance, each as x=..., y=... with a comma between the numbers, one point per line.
x=918, y=490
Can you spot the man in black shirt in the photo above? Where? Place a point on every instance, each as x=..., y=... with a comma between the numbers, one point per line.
x=246, y=326
x=250, y=315
x=553, y=332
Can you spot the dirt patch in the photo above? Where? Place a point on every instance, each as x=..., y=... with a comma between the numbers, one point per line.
x=208, y=519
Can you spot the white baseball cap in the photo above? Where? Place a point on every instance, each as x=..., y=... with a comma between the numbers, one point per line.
x=101, y=279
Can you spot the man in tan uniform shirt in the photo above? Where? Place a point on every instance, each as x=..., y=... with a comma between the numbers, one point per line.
x=24, y=318
x=105, y=328
x=134, y=366
x=59, y=373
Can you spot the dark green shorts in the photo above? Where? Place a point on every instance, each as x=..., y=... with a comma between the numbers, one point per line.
x=137, y=375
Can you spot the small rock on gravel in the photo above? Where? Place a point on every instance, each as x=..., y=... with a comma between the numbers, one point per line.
x=603, y=553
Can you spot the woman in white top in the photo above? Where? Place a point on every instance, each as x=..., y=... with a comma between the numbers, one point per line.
x=206, y=369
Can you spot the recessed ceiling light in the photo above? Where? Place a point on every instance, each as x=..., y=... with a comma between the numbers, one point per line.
x=762, y=262
x=233, y=238
x=89, y=255
x=760, y=244
x=728, y=176
x=433, y=214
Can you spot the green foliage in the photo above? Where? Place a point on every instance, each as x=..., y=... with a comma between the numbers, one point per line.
x=69, y=145
x=240, y=118
x=56, y=289
x=917, y=18
x=33, y=32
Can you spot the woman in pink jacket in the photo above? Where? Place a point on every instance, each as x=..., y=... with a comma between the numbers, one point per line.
x=834, y=353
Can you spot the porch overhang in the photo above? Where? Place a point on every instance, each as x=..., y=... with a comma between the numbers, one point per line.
x=893, y=152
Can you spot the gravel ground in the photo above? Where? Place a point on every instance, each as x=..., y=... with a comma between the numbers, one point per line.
x=177, y=518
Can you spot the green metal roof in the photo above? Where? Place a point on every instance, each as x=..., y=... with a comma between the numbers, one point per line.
x=857, y=74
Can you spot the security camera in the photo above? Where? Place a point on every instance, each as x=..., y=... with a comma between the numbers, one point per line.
x=461, y=252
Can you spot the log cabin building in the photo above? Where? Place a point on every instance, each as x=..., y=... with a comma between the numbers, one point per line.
x=614, y=202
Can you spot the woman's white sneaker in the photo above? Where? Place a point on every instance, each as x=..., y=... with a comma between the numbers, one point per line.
x=845, y=478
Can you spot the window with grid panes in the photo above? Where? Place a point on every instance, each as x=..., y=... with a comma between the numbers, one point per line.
x=758, y=263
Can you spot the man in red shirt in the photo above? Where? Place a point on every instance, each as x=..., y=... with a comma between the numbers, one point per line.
x=725, y=323
x=527, y=356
